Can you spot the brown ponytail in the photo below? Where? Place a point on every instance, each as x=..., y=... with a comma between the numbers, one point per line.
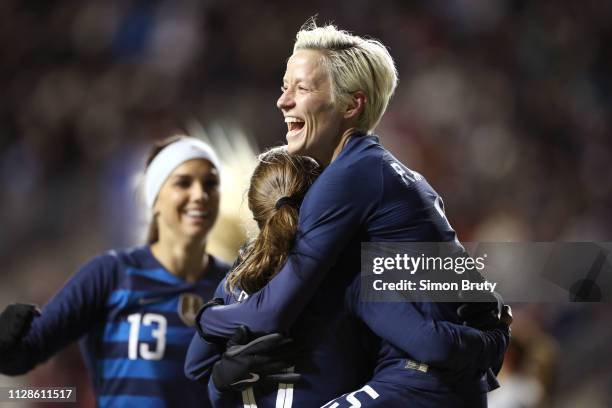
x=278, y=175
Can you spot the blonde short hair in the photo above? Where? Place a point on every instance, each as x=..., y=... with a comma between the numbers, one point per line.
x=354, y=64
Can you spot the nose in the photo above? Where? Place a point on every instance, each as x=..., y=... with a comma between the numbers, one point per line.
x=198, y=192
x=286, y=101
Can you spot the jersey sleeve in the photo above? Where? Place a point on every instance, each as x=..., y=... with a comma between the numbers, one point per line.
x=333, y=211
x=200, y=358
x=440, y=344
x=214, y=395
x=71, y=313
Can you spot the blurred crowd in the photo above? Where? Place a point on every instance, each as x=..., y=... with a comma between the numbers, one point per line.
x=505, y=106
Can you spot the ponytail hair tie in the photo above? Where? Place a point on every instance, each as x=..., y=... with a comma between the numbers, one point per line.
x=288, y=200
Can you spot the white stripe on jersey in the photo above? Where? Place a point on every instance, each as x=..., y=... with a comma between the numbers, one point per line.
x=350, y=397
x=284, y=398
x=248, y=398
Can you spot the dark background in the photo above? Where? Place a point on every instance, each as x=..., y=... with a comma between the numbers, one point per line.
x=503, y=105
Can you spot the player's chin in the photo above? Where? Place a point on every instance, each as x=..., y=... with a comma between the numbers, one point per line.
x=295, y=146
x=197, y=230
x=296, y=141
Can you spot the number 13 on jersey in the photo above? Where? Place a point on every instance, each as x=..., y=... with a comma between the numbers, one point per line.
x=158, y=332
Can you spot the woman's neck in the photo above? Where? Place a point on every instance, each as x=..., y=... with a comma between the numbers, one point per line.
x=185, y=260
x=344, y=139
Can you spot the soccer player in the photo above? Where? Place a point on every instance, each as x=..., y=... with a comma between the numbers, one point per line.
x=335, y=90
x=133, y=309
x=335, y=356
x=330, y=339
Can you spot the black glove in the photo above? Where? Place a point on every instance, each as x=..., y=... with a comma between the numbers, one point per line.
x=14, y=323
x=259, y=361
x=484, y=314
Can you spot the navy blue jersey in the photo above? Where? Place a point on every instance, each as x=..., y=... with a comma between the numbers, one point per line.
x=135, y=321
x=420, y=357
x=364, y=195
x=383, y=394
x=329, y=339
x=431, y=358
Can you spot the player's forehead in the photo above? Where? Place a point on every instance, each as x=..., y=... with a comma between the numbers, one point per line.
x=306, y=65
x=195, y=168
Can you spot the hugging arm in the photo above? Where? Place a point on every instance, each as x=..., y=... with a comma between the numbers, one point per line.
x=438, y=343
x=332, y=212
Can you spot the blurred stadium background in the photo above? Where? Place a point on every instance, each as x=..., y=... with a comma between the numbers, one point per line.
x=503, y=105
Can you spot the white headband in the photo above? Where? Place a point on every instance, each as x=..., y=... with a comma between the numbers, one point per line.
x=169, y=158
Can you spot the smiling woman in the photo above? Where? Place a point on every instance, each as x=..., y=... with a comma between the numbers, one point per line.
x=169, y=182
x=335, y=85
x=182, y=189
x=338, y=85
x=188, y=202
x=315, y=123
x=135, y=308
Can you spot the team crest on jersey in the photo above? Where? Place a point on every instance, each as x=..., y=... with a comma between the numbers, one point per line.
x=188, y=306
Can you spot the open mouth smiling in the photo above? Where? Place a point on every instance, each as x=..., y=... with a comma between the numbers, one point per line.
x=294, y=125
